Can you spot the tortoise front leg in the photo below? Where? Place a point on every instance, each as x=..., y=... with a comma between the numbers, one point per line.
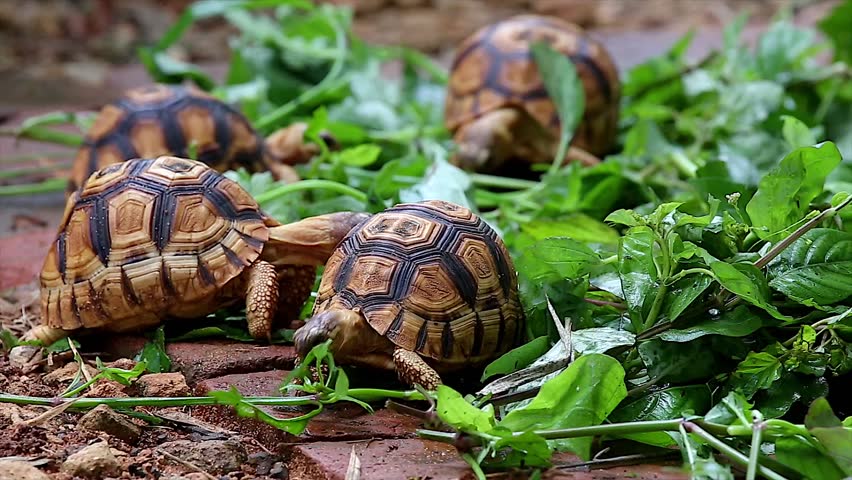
x=261, y=299
x=412, y=369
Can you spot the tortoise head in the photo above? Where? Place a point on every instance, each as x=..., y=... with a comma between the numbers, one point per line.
x=348, y=330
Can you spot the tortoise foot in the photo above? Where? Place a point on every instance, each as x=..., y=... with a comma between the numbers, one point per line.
x=412, y=369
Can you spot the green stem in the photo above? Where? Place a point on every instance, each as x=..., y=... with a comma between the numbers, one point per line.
x=312, y=184
x=375, y=394
x=656, y=306
x=417, y=59
x=783, y=244
x=404, y=135
x=729, y=451
x=44, y=135
x=483, y=180
x=756, y=439
x=84, y=403
x=689, y=271
x=47, y=186
x=564, y=141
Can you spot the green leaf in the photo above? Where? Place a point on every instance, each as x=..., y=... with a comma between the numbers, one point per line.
x=798, y=454
x=456, y=411
x=785, y=193
x=154, y=353
x=791, y=388
x=166, y=69
x=735, y=323
x=780, y=48
x=517, y=358
x=576, y=226
x=827, y=428
x=559, y=256
x=121, y=375
x=836, y=28
x=746, y=281
x=667, y=404
x=360, y=156
x=637, y=270
x=600, y=339
x=683, y=292
x=734, y=409
x=62, y=345
x=528, y=450
x=677, y=362
x=443, y=181
x=560, y=78
x=584, y=394
x=796, y=133
x=816, y=267
x=758, y=371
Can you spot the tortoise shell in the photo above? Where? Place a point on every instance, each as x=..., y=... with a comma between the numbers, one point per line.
x=494, y=68
x=168, y=120
x=149, y=238
x=433, y=278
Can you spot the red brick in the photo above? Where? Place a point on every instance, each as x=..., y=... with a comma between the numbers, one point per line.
x=417, y=458
x=340, y=422
x=22, y=255
x=386, y=459
x=210, y=358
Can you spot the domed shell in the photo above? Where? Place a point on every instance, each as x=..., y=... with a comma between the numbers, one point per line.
x=494, y=68
x=168, y=120
x=433, y=278
x=146, y=239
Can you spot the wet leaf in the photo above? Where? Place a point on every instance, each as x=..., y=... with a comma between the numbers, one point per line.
x=517, y=358
x=736, y=323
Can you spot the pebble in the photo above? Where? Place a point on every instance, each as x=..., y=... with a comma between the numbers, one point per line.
x=10, y=469
x=104, y=419
x=213, y=456
x=94, y=461
x=163, y=385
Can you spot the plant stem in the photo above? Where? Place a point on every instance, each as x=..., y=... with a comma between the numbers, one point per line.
x=44, y=135
x=783, y=244
x=729, y=451
x=311, y=184
x=83, y=403
x=47, y=186
x=756, y=439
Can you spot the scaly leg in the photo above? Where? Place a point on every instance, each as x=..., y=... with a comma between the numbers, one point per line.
x=261, y=299
x=412, y=369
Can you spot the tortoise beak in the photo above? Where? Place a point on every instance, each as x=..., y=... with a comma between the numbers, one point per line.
x=314, y=332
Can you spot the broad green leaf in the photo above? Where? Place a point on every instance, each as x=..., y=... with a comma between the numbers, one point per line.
x=560, y=256
x=785, y=194
x=576, y=226
x=559, y=76
x=827, y=428
x=816, y=267
x=666, y=404
x=517, y=358
x=637, y=269
x=734, y=409
x=154, y=353
x=443, y=181
x=121, y=375
x=62, y=345
x=791, y=388
x=683, y=292
x=758, y=371
x=798, y=454
x=796, y=133
x=677, y=362
x=600, y=339
x=747, y=282
x=780, y=47
x=736, y=323
x=528, y=450
x=456, y=411
x=360, y=156
x=584, y=394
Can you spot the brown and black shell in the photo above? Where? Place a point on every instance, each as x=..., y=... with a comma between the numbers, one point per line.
x=433, y=278
x=146, y=239
x=494, y=68
x=156, y=120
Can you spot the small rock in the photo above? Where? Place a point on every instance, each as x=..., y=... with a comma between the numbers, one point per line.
x=123, y=363
x=20, y=471
x=104, y=388
x=94, y=461
x=67, y=372
x=262, y=462
x=213, y=456
x=104, y=419
x=279, y=470
x=163, y=385
x=23, y=356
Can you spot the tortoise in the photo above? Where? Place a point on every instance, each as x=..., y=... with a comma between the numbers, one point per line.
x=173, y=120
x=148, y=239
x=420, y=288
x=499, y=110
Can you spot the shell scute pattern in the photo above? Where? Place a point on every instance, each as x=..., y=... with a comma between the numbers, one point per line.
x=144, y=237
x=168, y=120
x=495, y=68
x=432, y=277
